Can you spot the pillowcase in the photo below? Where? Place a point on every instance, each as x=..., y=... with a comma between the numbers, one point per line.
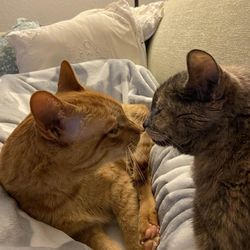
x=148, y=16
x=94, y=34
x=219, y=27
x=7, y=53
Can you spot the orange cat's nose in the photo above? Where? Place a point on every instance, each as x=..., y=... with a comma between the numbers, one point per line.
x=137, y=129
x=140, y=128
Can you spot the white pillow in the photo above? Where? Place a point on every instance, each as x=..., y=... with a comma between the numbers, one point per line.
x=95, y=34
x=148, y=17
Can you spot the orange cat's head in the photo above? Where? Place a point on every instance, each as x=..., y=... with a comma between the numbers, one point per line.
x=83, y=123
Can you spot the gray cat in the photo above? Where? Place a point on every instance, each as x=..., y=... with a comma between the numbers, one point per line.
x=205, y=112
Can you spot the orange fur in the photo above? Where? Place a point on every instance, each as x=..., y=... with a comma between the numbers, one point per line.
x=80, y=159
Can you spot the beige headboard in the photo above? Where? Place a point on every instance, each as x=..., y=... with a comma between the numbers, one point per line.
x=221, y=28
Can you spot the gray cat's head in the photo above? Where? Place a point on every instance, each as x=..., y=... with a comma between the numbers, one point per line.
x=192, y=109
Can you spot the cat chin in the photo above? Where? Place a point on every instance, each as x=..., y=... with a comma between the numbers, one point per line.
x=166, y=143
x=162, y=143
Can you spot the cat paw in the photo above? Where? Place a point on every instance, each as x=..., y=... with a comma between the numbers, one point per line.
x=151, y=238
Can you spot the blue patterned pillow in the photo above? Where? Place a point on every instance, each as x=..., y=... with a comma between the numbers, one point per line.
x=7, y=53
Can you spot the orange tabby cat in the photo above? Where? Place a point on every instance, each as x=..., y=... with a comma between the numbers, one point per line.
x=70, y=164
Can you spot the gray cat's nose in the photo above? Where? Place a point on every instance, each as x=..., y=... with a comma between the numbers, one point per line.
x=145, y=123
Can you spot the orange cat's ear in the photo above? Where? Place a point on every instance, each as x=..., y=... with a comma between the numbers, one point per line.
x=204, y=75
x=56, y=120
x=67, y=79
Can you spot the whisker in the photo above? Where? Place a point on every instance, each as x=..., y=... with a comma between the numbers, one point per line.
x=126, y=160
x=128, y=169
x=136, y=166
x=129, y=162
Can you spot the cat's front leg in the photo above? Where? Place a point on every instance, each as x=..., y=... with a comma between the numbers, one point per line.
x=96, y=238
x=148, y=225
x=125, y=207
x=148, y=221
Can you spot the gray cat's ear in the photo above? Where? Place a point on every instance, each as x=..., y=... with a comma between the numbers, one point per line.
x=55, y=120
x=67, y=79
x=204, y=76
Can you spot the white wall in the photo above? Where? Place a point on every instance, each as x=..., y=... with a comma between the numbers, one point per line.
x=47, y=11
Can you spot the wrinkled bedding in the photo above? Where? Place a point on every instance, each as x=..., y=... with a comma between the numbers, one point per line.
x=172, y=182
